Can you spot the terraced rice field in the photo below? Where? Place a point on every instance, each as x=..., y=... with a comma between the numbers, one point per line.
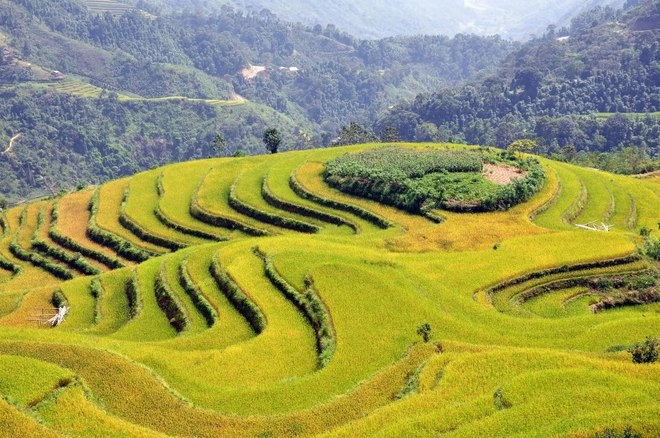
x=111, y=6
x=245, y=297
x=76, y=87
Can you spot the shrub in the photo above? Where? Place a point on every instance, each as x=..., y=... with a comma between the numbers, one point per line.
x=58, y=299
x=39, y=261
x=652, y=248
x=199, y=300
x=144, y=234
x=501, y=403
x=121, y=246
x=9, y=266
x=70, y=244
x=132, y=289
x=203, y=215
x=162, y=217
x=269, y=218
x=276, y=202
x=97, y=292
x=309, y=303
x=75, y=261
x=424, y=330
x=628, y=432
x=3, y=225
x=168, y=302
x=645, y=352
x=373, y=218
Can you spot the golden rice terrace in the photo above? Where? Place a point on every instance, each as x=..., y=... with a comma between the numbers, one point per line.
x=277, y=296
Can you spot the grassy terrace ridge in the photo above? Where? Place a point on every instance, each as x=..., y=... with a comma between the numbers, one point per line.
x=70, y=217
x=43, y=243
x=185, y=183
x=245, y=196
x=110, y=197
x=167, y=220
x=317, y=334
x=141, y=200
x=277, y=191
x=212, y=199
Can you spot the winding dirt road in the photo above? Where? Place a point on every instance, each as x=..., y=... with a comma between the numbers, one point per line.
x=11, y=142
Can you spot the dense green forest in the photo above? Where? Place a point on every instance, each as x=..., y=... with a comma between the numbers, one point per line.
x=579, y=91
x=89, y=95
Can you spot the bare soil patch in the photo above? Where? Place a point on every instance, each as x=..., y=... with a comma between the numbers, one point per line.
x=252, y=71
x=502, y=174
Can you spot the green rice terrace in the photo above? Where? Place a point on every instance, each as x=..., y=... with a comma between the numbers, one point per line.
x=371, y=290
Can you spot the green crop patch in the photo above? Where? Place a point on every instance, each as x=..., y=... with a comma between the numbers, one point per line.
x=421, y=180
x=420, y=306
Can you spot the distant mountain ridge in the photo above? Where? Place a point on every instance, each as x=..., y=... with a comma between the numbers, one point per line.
x=513, y=19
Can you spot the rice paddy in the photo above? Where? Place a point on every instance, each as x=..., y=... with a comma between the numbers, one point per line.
x=246, y=297
x=110, y=6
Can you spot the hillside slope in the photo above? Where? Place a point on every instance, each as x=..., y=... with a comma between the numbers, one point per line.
x=137, y=79
x=590, y=88
x=367, y=19
x=245, y=296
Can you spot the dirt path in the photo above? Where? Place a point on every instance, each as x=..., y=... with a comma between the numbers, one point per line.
x=11, y=142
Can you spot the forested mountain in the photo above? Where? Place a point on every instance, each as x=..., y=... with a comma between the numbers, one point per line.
x=113, y=64
x=516, y=19
x=562, y=89
x=96, y=90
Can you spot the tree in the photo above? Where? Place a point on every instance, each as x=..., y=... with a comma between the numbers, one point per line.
x=389, y=135
x=522, y=145
x=272, y=139
x=219, y=144
x=354, y=134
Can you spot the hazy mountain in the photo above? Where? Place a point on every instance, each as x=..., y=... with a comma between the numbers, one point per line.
x=515, y=19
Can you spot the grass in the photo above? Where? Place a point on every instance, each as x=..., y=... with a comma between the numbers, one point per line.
x=43, y=243
x=276, y=181
x=31, y=386
x=569, y=184
x=555, y=305
x=544, y=367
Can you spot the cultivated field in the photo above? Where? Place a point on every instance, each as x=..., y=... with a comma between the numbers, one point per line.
x=247, y=297
x=107, y=6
